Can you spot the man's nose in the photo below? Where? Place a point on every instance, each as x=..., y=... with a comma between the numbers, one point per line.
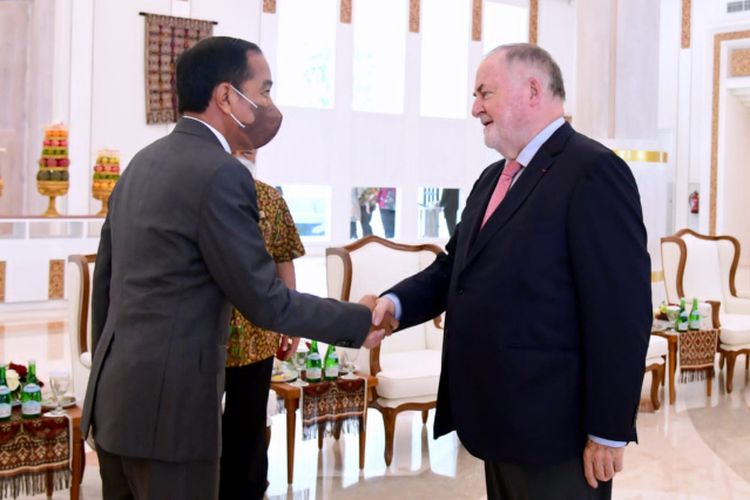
x=476, y=108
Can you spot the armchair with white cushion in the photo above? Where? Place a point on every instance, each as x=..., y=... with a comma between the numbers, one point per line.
x=697, y=265
x=406, y=364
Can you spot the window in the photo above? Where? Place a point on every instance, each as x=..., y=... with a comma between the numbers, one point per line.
x=306, y=52
x=366, y=202
x=379, y=61
x=504, y=22
x=310, y=206
x=438, y=211
x=445, y=58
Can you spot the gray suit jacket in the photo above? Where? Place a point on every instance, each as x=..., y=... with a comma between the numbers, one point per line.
x=180, y=244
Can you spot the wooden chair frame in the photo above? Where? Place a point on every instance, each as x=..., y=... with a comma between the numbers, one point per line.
x=389, y=414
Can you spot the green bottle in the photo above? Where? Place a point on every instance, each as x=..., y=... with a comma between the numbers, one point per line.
x=313, y=364
x=683, y=318
x=694, y=321
x=31, y=395
x=331, y=364
x=5, y=398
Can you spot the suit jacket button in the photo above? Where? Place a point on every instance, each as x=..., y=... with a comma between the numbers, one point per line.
x=460, y=291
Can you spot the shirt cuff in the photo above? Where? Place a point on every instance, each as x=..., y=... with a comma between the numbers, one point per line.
x=396, y=302
x=607, y=442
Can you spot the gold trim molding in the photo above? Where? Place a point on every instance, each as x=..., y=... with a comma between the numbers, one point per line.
x=476, y=20
x=56, y=279
x=345, y=13
x=642, y=156
x=2, y=281
x=719, y=38
x=657, y=276
x=686, y=20
x=739, y=62
x=269, y=6
x=414, y=7
x=533, y=21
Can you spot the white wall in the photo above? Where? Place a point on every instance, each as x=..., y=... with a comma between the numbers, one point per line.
x=107, y=76
x=338, y=147
x=735, y=177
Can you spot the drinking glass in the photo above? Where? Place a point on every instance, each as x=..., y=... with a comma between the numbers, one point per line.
x=298, y=360
x=59, y=381
x=349, y=360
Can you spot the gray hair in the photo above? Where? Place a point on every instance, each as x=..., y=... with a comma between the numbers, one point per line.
x=536, y=56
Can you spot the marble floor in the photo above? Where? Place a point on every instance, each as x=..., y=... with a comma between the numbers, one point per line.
x=697, y=449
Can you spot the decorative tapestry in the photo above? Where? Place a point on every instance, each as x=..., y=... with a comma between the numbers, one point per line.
x=327, y=405
x=166, y=38
x=33, y=453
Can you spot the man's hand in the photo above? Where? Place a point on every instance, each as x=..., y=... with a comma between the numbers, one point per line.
x=380, y=329
x=287, y=348
x=384, y=312
x=601, y=462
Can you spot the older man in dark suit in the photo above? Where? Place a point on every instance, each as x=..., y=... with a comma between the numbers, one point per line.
x=547, y=279
x=179, y=245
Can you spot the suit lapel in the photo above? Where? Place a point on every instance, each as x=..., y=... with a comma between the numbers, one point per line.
x=533, y=173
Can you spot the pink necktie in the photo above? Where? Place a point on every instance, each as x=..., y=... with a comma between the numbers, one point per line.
x=503, y=184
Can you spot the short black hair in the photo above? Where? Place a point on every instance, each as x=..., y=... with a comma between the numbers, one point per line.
x=208, y=63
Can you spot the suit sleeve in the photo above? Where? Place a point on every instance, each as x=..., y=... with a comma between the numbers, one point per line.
x=234, y=251
x=611, y=270
x=101, y=286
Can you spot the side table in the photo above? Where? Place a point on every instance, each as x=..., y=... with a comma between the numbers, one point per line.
x=291, y=395
x=672, y=339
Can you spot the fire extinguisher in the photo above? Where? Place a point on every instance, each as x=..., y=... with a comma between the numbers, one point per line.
x=694, y=202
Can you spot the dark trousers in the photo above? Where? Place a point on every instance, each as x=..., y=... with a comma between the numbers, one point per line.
x=125, y=478
x=388, y=217
x=365, y=214
x=563, y=481
x=244, y=461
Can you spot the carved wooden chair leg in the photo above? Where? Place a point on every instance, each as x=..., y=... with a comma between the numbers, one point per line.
x=747, y=362
x=721, y=361
x=389, y=421
x=731, y=359
x=657, y=376
x=425, y=414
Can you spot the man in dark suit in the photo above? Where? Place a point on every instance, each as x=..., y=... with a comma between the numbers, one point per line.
x=546, y=280
x=179, y=245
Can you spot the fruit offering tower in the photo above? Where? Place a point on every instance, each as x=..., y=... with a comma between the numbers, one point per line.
x=106, y=173
x=52, y=178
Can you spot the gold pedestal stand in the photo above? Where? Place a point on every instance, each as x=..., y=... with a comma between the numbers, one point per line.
x=102, y=194
x=52, y=189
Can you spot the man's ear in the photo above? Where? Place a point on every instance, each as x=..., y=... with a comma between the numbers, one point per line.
x=535, y=90
x=220, y=96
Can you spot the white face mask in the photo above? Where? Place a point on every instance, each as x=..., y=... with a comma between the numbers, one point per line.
x=250, y=166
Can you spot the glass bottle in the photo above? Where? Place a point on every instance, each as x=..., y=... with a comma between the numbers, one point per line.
x=31, y=394
x=313, y=364
x=694, y=320
x=683, y=318
x=6, y=403
x=331, y=364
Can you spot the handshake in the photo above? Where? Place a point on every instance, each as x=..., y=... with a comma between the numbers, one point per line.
x=383, y=321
